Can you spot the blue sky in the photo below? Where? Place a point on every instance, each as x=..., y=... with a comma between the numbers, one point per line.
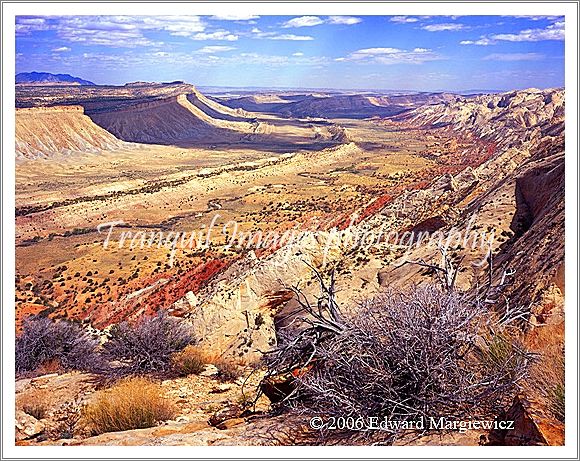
x=346, y=52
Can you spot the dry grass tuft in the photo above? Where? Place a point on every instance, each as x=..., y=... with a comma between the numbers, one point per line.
x=133, y=403
x=190, y=361
x=547, y=380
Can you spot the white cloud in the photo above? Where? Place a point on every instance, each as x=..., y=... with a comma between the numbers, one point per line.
x=298, y=53
x=483, y=41
x=309, y=21
x=552, y=32
x=290, y=37
x=257, y=33
x=303, y=21
x=374, y=51
x=235, y=17
x=535, y=18
x=61, y=49
x=403, y=19
x=392, y=56
x=443, y=27
x=27, y=24
x=514, y=57
x=345, y=20
x=267, y=60
x=214, y=49
x=217, y=35
x=120, y=31
x=116, y=31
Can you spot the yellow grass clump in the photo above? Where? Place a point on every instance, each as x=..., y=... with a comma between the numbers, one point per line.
x=133, y=403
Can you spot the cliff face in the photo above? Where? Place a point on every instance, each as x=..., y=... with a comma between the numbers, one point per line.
x=191, y=119
x=335, y=106
x=508, y=119
x=47, y=131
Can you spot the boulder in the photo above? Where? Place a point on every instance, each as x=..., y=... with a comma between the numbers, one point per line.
x=27, y=427
x=230, y=411
x=531, y=426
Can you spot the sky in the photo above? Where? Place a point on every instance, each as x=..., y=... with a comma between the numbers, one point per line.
x=423, y=53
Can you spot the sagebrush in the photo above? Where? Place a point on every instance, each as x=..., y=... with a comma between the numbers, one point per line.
x=44, y=341
x=147, y=345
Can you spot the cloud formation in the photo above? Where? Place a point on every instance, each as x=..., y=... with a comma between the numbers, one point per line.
x=210, y=49
x=514, y=57
x=257, y=33
x=114, y=31
x=310, y=21
x=303, y=21
x=344, y=20
x=482, y=41
x=554, y=31
x=217, y=35
x=392, y=56
x=403, y=19
x=443, y=27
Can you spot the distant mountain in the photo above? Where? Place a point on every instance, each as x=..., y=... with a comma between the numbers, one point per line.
x=48, y=78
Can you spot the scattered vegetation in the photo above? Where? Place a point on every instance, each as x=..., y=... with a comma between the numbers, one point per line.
x=557, y=401
x=44, y=341
x=548, y=379
x=147, y=346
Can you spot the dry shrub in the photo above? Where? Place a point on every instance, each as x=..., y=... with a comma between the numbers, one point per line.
x=228, y=369
x=46, y=345
x=50, y=366
x=66, y=419
x=411, y=355
x=190, y=361
x=147, y=345
x=421, y=352
x=132, y=403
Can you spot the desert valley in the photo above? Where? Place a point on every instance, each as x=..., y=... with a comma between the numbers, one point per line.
x=240, y=169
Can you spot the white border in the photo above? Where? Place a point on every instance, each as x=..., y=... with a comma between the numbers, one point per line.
x=10, y=10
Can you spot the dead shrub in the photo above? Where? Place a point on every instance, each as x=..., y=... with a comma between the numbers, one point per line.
x=50, y=366
x=132, y=403
x=410, y=354
x=147, y=345
x=66, y=420
x=189, y=361
x=47, y=345
x=228, y=369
